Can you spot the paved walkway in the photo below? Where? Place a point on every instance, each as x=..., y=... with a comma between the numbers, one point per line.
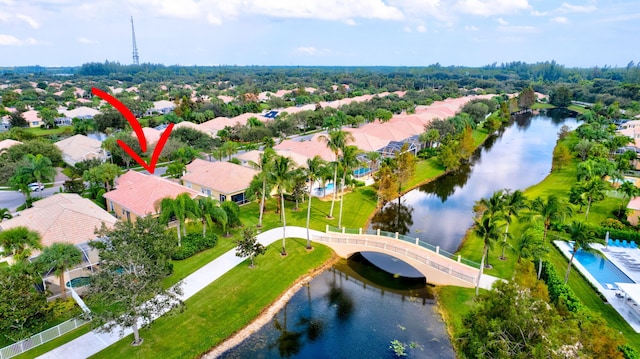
x=92, y=342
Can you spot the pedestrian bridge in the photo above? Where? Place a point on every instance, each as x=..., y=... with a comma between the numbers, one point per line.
x=439, y=267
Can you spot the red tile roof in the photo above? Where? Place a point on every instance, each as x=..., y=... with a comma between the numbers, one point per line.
x=140, y=193
x=224, y=177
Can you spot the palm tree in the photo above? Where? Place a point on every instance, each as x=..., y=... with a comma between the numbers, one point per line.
x=492, y=206
x=629, y=190
x=552, y=210
x=181, y=207
x=593, y=191
x=514, y=202
x=264, y=165
x=374, y=159
x=209, y=211
x=582, y=238
x=19, y=242
x=59, y=257
x=38, y=166
x=336, y=142
x=5, y=214
x=349, y=162
x=488, y=229
x=282, y=174
x=314, y=167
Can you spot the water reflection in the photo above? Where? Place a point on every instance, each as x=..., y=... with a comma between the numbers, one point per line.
x=517, y=158
x=341, y=314
x=396, y=216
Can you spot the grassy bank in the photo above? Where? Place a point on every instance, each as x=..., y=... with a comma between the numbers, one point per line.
x=559, y=183
x=223, y=307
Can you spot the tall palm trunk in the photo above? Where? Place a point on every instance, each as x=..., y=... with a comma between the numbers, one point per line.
x=335, y=190
x=204, y=228
x=63, y=288
x=309, y=215
x=284, y=226
x=566, y=275
x=484, y=255
x=264, y=189
x=506, y=233
x=342, y=186
x=544, y=239
x=179, y=237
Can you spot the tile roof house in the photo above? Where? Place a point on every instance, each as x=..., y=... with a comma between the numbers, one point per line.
x=32, y=118
x=308, y=149
x=223, y=181
x=63, y=217
x=137, y=195
x=79, y=148
x=162, y=107
x=81, y=112
x=634, y=209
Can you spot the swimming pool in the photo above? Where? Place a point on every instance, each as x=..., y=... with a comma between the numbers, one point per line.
x=361, y=171
x=78, y=282
x=602, y=269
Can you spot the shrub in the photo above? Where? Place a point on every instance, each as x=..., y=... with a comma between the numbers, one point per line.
x=629, y=352
x=612, y=223
x=194, y=243
x=560, y=294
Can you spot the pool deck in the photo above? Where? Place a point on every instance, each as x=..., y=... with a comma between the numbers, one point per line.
x=624, y=259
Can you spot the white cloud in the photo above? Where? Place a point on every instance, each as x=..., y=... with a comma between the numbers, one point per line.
x=312, y=51
x=516, y=28
x=492, y=7
x=4, y=16
x=325, y=10
x=560, y=20
x=471, y=28
x=566, y=7
x=29, y=20
x=87, y=41
x=539, y=13
x=350, y=22
x=10, y=40
x=214, y=20
x=502, y=21
x=421, y=28
x=406, y=29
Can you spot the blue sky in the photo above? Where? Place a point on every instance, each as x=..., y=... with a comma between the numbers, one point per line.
x=580, y=33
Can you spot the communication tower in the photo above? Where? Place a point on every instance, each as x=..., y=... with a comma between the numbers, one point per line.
x=136, y=60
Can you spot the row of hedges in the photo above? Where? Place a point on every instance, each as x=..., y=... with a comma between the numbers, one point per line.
x=193, y=243
x=559, y=293
x=563, y=297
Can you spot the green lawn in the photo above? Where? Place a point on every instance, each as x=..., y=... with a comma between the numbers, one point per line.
x=53, y=131
x=223, y=307
x=454, y=303
x=558, y=182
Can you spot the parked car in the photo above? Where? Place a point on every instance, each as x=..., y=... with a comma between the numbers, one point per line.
x=35, y=187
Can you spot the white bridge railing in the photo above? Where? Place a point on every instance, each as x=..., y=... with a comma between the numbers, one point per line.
x=368, y=242
x=401, y=237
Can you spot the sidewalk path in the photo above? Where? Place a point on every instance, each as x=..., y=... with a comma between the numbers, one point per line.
x=92, y=342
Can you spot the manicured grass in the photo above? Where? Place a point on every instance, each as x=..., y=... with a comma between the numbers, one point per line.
x=223, y=307
x=454, y=303
x=559, y=183
x=540, y=106
x=53, y=131
x=576, y=108
x=48, y=346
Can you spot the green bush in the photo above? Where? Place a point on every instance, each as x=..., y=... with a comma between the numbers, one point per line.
x=193, y=243
x=629, y=352
x=560, y=294
x=612, y=223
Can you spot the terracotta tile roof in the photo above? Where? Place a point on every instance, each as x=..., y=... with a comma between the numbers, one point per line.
x=309, y=149
x=187, y=124
x=162, y=104
x=80, y=112
x=63, y=217
x=139, y=193
x=634, y=203
x=226, y=99
x=8, y=143
x=224, y=177
x=78, y=148
x=365, y=141
x=150, y=134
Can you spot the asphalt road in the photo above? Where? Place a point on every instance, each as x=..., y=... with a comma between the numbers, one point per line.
x=14, y=199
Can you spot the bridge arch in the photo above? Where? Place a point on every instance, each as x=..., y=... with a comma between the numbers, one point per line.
x=437, y=268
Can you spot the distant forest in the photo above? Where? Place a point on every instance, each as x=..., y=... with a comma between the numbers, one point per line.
x=596, y=84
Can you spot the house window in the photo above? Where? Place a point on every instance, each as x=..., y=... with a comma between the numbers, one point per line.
x=223, y=198
x=206, y=191
x=111, y=205
x=188, y=184
x=128, y=216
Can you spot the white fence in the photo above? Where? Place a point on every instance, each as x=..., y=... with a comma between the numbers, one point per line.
x=41, y=338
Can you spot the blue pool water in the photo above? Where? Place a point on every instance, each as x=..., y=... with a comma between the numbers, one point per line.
x=78, y=282
x=361, y=171
x=602, y=269
x=329, y=187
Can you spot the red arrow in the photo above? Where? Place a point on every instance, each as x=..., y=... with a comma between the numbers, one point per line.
x=137, y=128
